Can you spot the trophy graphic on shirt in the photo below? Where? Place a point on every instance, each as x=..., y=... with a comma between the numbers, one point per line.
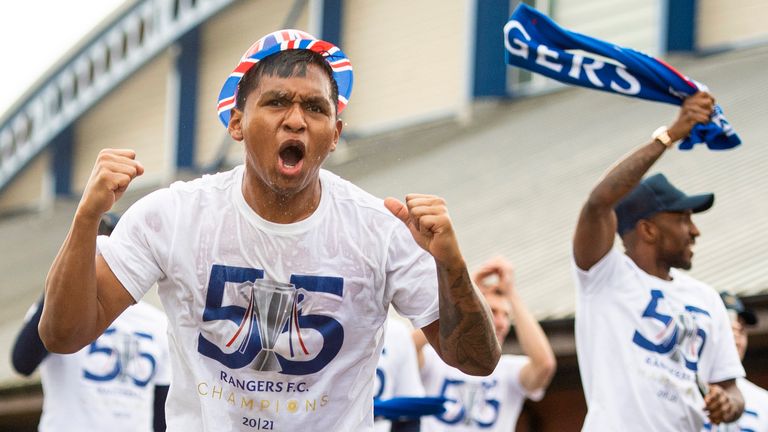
x=127, y=348
x=470, y=393
x=270, y=304
x=687, y=347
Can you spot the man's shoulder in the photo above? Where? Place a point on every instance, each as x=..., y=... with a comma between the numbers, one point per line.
x=188, y=193
x=613, y=266
x=347, y=194
x=209, y=182
x=686, y=279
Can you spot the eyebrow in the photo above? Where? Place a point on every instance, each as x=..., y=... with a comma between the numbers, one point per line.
x=283, y=94
x=274, y=94
x=318, y=100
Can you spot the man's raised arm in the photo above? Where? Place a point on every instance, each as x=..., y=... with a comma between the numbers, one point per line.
x=82, y=295
x=596, y=228
x=463, y=335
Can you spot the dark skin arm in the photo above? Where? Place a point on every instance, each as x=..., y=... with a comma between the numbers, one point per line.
x=463, y=335
x=596, y=228
x=724, y=402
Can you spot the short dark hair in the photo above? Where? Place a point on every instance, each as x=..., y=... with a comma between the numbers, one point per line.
x=285, y=64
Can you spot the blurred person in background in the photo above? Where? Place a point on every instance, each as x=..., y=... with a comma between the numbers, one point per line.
x=397, y=375
x=755, y=417
x=654, y=345
x=491, y=403
x=278, y=275
x=118, y=383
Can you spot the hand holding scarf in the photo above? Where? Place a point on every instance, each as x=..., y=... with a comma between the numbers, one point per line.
x=533, y=41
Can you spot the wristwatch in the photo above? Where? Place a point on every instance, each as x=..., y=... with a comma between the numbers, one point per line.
x=662, y=135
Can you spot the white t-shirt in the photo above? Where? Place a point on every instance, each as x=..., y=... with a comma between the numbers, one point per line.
x=475, y=403
x=639, y=341
x=110, y=384
x=349, y=260
x=755, y=416
x=397, y=373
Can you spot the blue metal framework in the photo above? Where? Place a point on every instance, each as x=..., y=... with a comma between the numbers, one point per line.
x=333, y=12
x=187, y=67
x=490, y=71
x=681, y=25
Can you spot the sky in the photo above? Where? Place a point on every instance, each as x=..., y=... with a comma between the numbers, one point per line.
x=34, y=34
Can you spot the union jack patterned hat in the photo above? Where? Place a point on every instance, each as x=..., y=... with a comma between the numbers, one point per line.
x=283, y=40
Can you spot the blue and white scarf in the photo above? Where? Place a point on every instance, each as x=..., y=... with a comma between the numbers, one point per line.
x=533, y=41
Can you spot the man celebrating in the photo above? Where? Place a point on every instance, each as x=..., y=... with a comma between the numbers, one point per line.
x=277, y=275
x=650, y=339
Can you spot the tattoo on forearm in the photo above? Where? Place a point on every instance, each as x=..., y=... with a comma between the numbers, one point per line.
x=628, y=172
x=465, y=329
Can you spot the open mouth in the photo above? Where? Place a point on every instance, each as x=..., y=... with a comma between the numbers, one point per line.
x=291, y=154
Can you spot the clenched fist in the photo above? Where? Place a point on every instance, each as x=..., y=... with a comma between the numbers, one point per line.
x=426, y=216
x=112, y=173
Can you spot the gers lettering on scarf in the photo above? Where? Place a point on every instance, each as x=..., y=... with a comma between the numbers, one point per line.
x=575, y=67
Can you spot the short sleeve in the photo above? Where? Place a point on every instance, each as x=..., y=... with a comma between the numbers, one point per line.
x=138, y=248
x=726, y=364
x=411, y=279
x=514, y=364
x=599, y=276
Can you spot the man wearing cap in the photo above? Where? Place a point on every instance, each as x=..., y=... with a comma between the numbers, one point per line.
x=278, y=275
x=654, y=345
x=755, y=417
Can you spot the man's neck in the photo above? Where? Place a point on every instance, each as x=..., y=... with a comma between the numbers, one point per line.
x=650, y=265
x=279, y=207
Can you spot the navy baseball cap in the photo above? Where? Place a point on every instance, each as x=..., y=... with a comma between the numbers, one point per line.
x=733, y=303
x=653, y=195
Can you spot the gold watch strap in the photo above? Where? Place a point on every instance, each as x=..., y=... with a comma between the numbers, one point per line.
x=662, y=135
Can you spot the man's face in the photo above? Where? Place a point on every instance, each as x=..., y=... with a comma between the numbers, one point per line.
x=501, y=311
x=289, y=127
x=677, y=235
x=739, y=336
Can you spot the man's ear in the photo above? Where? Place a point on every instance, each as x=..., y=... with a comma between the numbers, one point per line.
x=337, y=134
x=647, y=231
x=235, y=127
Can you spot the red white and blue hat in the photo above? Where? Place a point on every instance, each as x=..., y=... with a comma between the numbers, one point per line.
x=283, y=40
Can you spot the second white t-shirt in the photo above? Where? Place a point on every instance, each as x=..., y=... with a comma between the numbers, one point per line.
x=397, y=373
x=641, y=343
x=475, y=403
x=110, y=384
